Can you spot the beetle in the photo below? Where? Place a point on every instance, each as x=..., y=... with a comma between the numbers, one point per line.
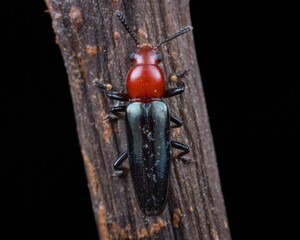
x=147, y=122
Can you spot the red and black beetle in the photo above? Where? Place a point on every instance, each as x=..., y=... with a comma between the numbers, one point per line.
x=148, y=124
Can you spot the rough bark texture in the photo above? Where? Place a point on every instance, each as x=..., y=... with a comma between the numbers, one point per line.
x=95, y=45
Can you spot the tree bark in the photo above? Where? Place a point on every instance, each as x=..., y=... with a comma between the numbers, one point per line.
x=95, y=45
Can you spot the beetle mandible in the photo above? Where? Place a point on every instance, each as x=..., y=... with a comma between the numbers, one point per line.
x=147, y=123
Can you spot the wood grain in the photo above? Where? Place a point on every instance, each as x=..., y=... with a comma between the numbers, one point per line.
x=95, y=46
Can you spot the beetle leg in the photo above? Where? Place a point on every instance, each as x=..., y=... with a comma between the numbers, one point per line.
x=182, y=73
x=177, y=122
x=117, y=96
x=115, y=110
x=119, y=161
x=181, y=86
x=182, y=147
x=175, y=91
x=112, y=95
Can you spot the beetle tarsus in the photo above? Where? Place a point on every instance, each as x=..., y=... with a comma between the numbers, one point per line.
x=182, y=73
x=122, y=172
x=110, y=117
x=99, y=85
x=186, y=160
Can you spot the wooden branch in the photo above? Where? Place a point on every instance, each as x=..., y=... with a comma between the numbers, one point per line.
x=95, y=45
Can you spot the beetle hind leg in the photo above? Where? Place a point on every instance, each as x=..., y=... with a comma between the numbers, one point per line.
x=185, y=150
x=119, y=161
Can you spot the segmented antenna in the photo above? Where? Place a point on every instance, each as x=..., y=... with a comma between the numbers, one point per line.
x=123, y=21
x=180, y=32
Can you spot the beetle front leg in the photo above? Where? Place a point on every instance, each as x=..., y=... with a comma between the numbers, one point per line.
x=119, y=161
x=112, y=95
x=185, y=150
x=181, y=86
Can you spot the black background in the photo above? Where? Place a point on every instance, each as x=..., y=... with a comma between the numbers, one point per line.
x=247, y=58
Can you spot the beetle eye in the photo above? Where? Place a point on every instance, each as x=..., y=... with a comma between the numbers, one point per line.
x=159, y=57
x=132, y=56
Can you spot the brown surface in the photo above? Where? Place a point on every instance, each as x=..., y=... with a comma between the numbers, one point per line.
x=95, y=45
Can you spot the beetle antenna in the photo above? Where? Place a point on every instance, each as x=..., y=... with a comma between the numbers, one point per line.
x=180, y=32
x=123, y=21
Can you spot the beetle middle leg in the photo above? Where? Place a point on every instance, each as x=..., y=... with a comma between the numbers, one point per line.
x=185, y=150
x=120, y=96
x=115, y=110
x=177, y=122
